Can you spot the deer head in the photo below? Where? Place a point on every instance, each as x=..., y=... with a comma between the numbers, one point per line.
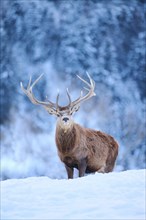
x=64, y=113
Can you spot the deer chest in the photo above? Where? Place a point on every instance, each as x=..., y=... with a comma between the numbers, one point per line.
x=65, y=141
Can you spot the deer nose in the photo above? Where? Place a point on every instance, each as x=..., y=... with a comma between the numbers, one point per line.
x=65, y=119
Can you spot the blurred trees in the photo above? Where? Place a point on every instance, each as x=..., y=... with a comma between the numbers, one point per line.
x=62, y=38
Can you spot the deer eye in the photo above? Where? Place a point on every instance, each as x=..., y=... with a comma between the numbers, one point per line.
x=76, y=108
x=50, y=111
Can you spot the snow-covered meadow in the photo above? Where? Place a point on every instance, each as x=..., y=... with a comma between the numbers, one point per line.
x=117, y=195
x=62, y=39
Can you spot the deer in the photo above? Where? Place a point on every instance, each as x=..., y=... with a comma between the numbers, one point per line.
x=78, y=147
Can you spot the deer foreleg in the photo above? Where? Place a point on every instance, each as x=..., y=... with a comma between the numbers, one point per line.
x=82, y=167
x=69, y=171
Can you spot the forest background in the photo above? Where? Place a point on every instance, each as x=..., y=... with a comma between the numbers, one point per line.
x=61, y=39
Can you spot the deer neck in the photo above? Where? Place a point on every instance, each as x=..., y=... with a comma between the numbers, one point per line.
x=65, y=138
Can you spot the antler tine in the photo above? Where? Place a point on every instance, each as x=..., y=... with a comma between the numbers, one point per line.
x=69, y=97
x=35, y=82
x=31, y=96
x=90, y=90
x=92, y=83
x=83, y=80
x=29, y=83
x=57, y=100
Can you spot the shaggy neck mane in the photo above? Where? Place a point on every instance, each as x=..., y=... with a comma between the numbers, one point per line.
x=65, y=138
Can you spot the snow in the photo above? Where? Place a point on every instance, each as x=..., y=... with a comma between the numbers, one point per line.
x=117, y=195
x=63, y=39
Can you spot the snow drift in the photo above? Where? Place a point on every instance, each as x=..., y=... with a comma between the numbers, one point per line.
x=100, y=196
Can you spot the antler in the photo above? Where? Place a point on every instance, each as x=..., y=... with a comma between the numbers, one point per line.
x=90, y=89
x=29, y=93
x=54, y=108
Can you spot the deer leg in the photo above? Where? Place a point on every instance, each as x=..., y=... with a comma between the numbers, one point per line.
x=82, y=167
x=69, y=171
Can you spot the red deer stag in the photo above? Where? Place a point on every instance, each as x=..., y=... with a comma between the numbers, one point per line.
x=78, y=147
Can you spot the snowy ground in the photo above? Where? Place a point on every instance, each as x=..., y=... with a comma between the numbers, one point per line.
x=100, y=196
